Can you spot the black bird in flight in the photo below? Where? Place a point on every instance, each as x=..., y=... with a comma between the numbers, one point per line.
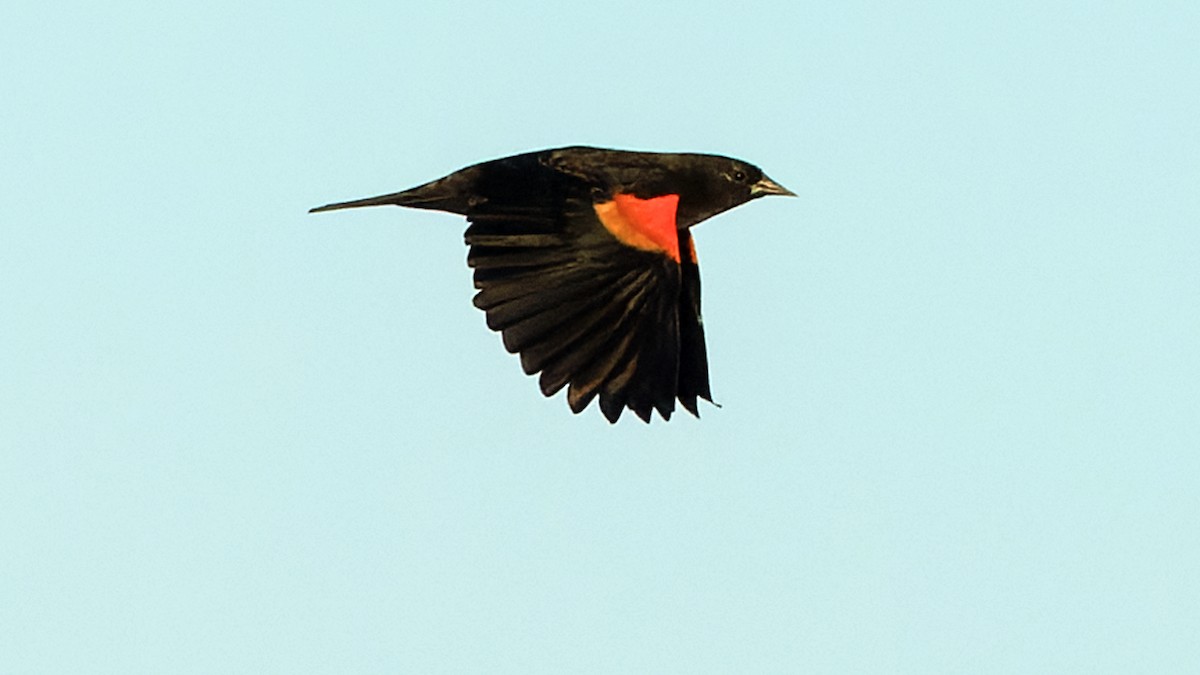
x=584, y=262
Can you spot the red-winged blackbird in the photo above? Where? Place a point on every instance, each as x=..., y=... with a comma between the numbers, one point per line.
x=585, y=264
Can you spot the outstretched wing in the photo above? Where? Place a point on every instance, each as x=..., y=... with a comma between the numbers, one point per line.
x=693, y=355
x=601, y=297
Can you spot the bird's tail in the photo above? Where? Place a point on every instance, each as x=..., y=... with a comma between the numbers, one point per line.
x=405, y=198
x=452, y=193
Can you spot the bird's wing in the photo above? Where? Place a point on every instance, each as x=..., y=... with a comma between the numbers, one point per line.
x=693, y=355
x=596, y=296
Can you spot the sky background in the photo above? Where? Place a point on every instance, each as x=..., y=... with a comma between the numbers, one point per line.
x=960, y=374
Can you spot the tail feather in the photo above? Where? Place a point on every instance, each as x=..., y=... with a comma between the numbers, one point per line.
x=455, y=193
x=406, y=198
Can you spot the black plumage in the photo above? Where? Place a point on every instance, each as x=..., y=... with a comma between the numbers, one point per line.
x=585, y=264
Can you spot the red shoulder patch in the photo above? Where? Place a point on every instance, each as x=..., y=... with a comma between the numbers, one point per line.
x=647, y=224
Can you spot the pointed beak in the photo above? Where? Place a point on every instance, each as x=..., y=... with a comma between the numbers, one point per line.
x=766, y=186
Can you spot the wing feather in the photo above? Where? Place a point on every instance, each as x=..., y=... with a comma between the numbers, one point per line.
x=586, y=310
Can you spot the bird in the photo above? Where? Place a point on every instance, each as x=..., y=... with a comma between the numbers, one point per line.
x=584, y=262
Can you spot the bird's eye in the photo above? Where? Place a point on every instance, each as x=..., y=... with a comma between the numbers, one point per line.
x=739, y=176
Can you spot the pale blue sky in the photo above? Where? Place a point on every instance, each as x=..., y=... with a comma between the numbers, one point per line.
x=960, y=375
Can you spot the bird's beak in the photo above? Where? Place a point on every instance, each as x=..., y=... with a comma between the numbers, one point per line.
x=766, y=186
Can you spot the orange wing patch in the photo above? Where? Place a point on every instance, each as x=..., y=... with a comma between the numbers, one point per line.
x=646, y=224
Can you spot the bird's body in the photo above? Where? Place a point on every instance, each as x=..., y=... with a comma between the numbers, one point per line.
x=585, y=264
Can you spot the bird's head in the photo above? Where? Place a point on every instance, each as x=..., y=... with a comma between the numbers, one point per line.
x=715, y=184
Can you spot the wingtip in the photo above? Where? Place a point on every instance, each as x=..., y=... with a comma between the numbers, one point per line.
x=689, y=404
